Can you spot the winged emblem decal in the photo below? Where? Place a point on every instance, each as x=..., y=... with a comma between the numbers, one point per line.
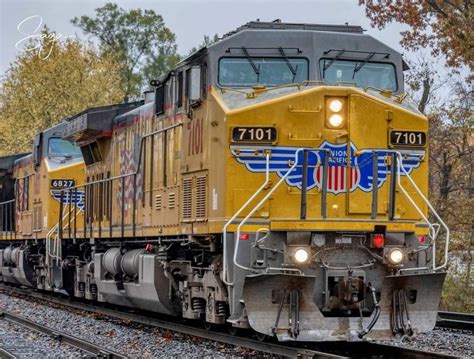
x=360, y=173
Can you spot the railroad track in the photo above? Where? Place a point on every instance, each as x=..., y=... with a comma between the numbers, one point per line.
x=455, y=320
x=278, y=350
x=6, y=354
x=87, y=347
x=282, y=350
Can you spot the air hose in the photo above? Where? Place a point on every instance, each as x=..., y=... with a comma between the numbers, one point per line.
x=364, y=332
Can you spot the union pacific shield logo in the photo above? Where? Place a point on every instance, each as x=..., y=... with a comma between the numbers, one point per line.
x=337, y=164
x=342, y=176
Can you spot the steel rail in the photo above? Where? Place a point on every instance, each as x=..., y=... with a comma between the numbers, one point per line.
x=280, y=350
x=5, y=354
x=71, y=340
x=455, y=320
x=387, y=351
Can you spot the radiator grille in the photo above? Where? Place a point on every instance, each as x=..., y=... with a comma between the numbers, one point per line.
x=187, y=198
x=201, y=196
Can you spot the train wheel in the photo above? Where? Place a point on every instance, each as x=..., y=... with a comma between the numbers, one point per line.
x=232, y=330
x=208, y=326
x=261, y=337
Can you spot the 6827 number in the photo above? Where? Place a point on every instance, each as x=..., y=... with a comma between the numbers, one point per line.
x=62, y=183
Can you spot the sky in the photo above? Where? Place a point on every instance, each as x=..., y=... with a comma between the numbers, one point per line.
x=190, y=20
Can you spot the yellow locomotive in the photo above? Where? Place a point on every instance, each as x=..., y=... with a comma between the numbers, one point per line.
x=275, y=180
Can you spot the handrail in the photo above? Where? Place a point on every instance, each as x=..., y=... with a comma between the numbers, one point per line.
x=55, y=254
x=8, y=218
x=130, y=173
x=224, y=234
x=434, y=228
x=282, y=179
x=123, y=176
x=250, y=214
x=440, y=220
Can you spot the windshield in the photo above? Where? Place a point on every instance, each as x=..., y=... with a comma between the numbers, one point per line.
x=378, y=75
x=267, y=71
x=58, y=146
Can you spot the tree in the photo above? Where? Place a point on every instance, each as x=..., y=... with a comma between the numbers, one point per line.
x=207, y=41
x=452, y=189
x=424, y=81
x=445, y=26
x=49, y=82
x=451, y=181
x=139, y=39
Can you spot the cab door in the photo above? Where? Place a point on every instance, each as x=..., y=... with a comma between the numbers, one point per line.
x=368, y=128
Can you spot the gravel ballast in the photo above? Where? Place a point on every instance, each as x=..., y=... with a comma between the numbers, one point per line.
x=459, y=343
x=143, y=341
x=131, y=339
x=25, y=343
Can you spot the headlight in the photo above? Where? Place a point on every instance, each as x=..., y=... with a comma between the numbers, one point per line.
x=301, y=255
x=395, y=256
x=335, y=105
x=335, y=120
x=336, y=112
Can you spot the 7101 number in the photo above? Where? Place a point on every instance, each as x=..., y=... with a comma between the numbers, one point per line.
x=408, y=138
x=254, y=134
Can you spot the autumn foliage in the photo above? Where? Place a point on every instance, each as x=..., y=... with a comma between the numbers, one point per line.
x=50, y=81
x=444, y=26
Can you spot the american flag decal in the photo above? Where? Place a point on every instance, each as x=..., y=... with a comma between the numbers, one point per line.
x=346, y=172
x=337, y=164
x=127, y=166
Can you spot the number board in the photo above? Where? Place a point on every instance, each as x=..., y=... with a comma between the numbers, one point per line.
x=407, y=138
x=62, y=183
x=254, y=134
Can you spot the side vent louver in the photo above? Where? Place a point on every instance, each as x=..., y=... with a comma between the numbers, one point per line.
x=171, y=200
x=158, y=203
x=187, y=198
x=201, y=195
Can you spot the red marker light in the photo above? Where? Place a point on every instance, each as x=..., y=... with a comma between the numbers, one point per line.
x=148, y=248
x=244, y=237
x=421, y=239
x=378, y=240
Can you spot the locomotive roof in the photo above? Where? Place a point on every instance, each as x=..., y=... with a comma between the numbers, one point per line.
x=279, y=25
x=308, y=40
x=6, y=162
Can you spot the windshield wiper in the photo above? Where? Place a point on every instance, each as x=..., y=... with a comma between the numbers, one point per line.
x=338, y=55
x=358, y=66
x=57, y=155
x=288, y=63
x=252, y=63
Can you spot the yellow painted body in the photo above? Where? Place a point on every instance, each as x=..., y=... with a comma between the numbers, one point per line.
x=37, y=211
x=300, y=121
x=204, y=185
